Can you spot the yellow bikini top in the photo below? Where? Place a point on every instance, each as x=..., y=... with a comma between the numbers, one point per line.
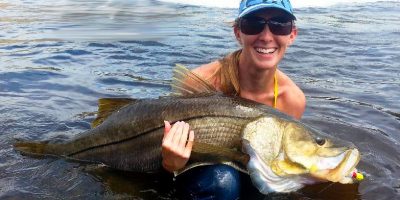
x=275, y=89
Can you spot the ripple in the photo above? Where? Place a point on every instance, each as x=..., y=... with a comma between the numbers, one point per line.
x=18, y=41
x=102, y=45
x=210, y=36
x=146, y=43
x=77, y=52
x=12, y=47
x=31, y=53
x=114, y=81
x=125, y=57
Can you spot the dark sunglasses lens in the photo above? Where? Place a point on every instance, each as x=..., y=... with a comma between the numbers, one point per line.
x=279, y=27
x=252, y=26
x=255, y=25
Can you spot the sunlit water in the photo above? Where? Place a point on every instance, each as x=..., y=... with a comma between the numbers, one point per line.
x=57, y=58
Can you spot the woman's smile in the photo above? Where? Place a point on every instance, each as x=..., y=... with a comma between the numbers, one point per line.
x=265, y=50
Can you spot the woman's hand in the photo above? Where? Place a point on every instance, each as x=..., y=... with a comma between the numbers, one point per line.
x=176, y=145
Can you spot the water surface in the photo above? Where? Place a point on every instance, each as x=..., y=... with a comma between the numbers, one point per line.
x=57, y=58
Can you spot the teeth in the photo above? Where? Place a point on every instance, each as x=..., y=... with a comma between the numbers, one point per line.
x=267, y=51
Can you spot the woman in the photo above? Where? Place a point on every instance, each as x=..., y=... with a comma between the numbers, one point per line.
x=264, y=29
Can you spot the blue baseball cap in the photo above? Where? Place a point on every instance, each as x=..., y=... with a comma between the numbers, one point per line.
x=250, y=6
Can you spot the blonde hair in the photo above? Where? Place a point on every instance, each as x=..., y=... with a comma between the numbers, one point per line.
x=228, y=73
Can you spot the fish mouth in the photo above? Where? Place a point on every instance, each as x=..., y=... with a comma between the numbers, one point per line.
x=337, y=169
x=324, y=168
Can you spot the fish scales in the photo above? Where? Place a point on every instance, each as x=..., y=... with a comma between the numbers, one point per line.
x=218, y=130
x=149, y=116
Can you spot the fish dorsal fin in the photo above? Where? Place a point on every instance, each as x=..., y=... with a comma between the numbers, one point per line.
x=187, y=83
x=107, y=106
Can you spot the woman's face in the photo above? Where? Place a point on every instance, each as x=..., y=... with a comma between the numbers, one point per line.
x=264, y=50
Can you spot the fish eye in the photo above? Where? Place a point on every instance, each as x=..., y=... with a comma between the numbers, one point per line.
x=320, y=141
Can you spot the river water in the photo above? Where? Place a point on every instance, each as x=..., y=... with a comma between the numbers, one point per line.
x=57, y=58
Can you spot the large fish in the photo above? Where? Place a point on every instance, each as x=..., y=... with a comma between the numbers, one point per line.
x=279, y=153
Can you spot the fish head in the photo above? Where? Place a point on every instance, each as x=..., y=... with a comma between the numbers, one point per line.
x=316, y=154
x=285, y=155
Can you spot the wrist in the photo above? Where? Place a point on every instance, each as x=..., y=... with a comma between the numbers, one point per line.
x=167, y=167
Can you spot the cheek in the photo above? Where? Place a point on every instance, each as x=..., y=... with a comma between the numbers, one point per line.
x=247, y=40
x=283, y=41
x=239, y=40
x=288, y=40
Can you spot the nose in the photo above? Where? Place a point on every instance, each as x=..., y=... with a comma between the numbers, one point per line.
x=266, y=34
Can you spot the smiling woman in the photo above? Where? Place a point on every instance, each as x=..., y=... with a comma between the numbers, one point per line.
x=264, y=30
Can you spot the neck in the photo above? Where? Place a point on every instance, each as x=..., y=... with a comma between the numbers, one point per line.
x=254, y=80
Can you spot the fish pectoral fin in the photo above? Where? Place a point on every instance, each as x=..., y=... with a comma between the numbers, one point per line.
x=186, y=83
x=109, y=105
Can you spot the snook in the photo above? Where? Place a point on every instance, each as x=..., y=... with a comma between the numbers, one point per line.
x=279, y=153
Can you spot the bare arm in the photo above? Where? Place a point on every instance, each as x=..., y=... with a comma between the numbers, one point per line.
x=296, y=105
x=292, y=100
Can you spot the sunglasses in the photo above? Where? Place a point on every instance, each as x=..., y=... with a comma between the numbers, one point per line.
x=254, y=25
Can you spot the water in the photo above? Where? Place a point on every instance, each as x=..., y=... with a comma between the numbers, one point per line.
x=57, y=58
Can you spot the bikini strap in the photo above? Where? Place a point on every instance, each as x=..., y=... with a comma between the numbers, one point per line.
x=275, y=90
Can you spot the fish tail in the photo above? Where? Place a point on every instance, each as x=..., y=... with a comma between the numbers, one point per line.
x=35, y=148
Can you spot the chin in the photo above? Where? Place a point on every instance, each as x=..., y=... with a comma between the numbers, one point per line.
x=266, y=62
x=266, y=65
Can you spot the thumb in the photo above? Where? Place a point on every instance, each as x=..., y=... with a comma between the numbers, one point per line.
x=167, y=126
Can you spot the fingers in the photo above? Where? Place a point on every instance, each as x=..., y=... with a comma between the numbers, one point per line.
x=167, y=128
x=189, y=145
x=178, y=134
x=184, y=136
x=168, y=136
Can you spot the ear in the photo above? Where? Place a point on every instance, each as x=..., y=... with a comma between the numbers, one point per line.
x=292, y=36
x=236, y=30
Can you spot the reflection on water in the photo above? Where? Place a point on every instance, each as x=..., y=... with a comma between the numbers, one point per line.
x=57, y=58
x=93, y=20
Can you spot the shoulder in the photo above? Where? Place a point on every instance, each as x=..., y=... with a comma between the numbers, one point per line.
x=208, y=72
x=292, y=100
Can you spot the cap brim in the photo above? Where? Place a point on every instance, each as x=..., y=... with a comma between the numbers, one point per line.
x=264, y=6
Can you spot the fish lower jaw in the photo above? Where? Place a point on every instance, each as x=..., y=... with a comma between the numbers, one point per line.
x=265, y=180
x=341, y=172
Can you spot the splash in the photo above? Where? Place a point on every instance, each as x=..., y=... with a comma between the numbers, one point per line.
x=295, y=3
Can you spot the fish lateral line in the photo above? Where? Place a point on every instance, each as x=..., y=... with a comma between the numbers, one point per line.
x=146, y=132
